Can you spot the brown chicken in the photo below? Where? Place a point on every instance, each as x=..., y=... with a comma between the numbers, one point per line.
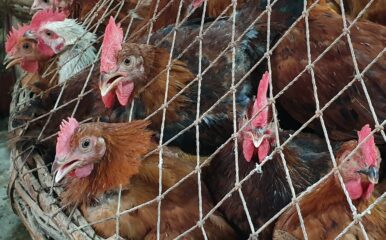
x=325, y=210
x=32, y=56
x=137, y=73
x=97, y=158
x=166, y=12
x=36, y=115
x=267, y=192
x=23, y=51
x=350, y=111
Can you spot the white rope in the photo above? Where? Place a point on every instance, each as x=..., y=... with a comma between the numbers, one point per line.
x=238, y=183
x=199, y=75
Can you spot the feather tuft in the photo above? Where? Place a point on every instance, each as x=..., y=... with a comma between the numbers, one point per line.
x=368, y=148
x=111, y=46
x=48, y=15
x=261, y=101
x=14, y=36
x=67, y=130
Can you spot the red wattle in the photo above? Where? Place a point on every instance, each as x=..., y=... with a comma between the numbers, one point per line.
x=108, y=100
x=84, y=171
x=248, y=149
x=263, y=150
x=354, y=189
x=124, y=91
x=29, y=66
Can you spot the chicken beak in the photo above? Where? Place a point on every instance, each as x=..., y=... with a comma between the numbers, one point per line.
x=257, y=140
x=372, y=173
x=10, y=61
x=108, y=82
x=30, y=35
x=61, y=167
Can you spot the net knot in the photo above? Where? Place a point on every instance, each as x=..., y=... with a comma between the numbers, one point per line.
x=268, y=8
x=346, y=31
x=201, y=223
x=318, y=113
x=199, y=37
x=379, y=127
x=357, y=218
x=358, y=77
x=159, y=198
x=233, y=44
x=267, y=54
x=310, y=67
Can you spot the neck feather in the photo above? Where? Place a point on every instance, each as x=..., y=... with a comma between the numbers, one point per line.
x=179, y=77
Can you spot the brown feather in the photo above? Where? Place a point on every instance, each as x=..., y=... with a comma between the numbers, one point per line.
x=326, y=212
x=332, y=72
x=123, y=165
x=155, y=62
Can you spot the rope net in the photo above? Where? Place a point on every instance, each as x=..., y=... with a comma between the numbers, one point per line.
x=34, y=194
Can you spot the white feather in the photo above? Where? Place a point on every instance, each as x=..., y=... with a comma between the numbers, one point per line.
x=78, y=53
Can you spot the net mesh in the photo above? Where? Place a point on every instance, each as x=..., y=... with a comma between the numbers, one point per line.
x=32, y=190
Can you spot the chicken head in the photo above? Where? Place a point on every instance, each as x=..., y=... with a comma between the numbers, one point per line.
x=360, y=172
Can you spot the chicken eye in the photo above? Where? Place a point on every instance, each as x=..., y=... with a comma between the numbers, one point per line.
x=45, y=1
x=127, y=61
x=26, y=46
x=48, y=33
x=85, y=144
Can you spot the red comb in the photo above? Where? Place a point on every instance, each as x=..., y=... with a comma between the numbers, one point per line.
x=67, y=129
x=197, y=3
x=111, y=46
x=48, y=15
x=261, y=101
x=14, y=36
x=368, y=148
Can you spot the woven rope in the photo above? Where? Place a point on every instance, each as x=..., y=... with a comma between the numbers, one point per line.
x=31, y=187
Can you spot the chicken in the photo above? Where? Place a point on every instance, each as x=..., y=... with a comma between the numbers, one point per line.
x=81, y=9
x=325, y=211
x=64, y=36
x=333, y=71
x=39, y=125
x=22, y=51
x=136, y=73
x=266, y=192
x=62, y=5
x=97, y=158
x=33, y=56
x=141, y=14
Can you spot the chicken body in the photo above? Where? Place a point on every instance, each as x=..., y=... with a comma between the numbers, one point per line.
x=325, y=210
x=350, y=111
x=329, y=217
x=265, y=193
x=90, y=106
x=116, y=160
x=142, y=70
